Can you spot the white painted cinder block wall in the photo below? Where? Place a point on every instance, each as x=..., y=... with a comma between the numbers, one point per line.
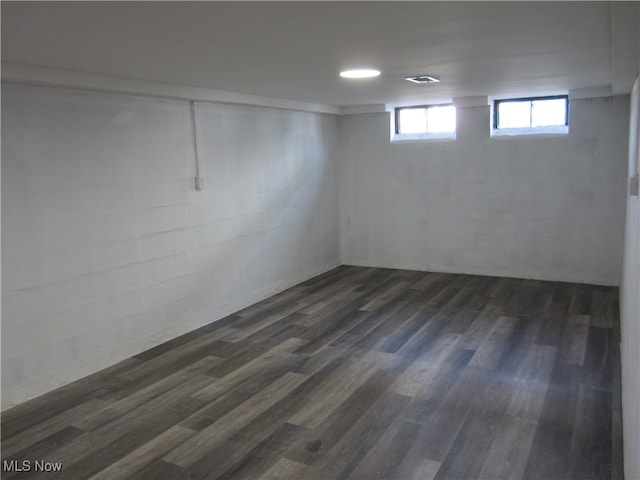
x=108, y=250
x=546, y=207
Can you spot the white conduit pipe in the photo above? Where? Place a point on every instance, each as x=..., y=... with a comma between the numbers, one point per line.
x=198, y=178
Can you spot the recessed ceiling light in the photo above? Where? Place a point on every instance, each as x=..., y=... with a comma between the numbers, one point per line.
x=360, y=73
x=423, y=79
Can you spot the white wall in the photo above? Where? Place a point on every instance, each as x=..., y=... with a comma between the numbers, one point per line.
x=630, y=307
x=548, y=207
x=107, y=249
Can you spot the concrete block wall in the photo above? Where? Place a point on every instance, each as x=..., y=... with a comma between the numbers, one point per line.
x=548, y=207
x=108, y=250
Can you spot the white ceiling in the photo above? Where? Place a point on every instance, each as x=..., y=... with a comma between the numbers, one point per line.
x=294, y=50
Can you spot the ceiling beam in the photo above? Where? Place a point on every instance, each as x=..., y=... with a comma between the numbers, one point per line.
x=54, y=77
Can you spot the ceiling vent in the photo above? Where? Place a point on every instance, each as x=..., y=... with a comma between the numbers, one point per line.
x=423, y=79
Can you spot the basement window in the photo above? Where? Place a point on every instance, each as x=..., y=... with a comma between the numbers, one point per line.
x=425, y=121
x=533, y=115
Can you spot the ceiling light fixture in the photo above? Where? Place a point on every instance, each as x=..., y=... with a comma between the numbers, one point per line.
x=360, y=73
x=423, y=79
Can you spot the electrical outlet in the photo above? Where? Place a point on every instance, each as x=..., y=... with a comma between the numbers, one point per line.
x=199, y=180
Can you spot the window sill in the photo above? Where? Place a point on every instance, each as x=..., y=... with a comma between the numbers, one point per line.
x=515, y=132
x=422, y=137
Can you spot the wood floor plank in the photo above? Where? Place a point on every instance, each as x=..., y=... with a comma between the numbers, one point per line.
x=549, y=454
x=424, y=339
x=207, y=439
x=462, y=319
x=348, y=452
x=174, y=360
x=116, y=409
x=551, y=329
x=528, y=398
x=358, y=373
x=253, y=367
x=439, y=297
x=530, y=298
x=321, y=367
x=470, y=446
x=340, y=420
x=491, y=349
x=603, y=309
x=264, y=455
x=500, y=293
x=41, y=449
x=466, y=299
x=591, y=440
x=418, y=468
x=244, y=353
x=331, y=328
x=385, y=457
x=392, y=316
x=119, y=447
x=332, y=394
x=335, y=310
x=507, y=456
x=560, y=298
x=253, y=439
x=137, y=426
x=286, y=469
x=251, y=326
x=581, y=299
x=422, y=371
x=157, y=470
x=39, y=410
x=144, y=455
x=241, y=392
x=598, y=360
x=396, y=340
x=574, y=339
x=343, y=293
x=360, y=330
x=562, y=395
x=444, y=425
x=280, y=330
x=385, y=296
x=551, y=448
x=514, y=356
x=429, y=396
x=32, y=435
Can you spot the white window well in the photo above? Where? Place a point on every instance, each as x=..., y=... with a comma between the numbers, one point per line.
x=534, y=115
x=426, y=121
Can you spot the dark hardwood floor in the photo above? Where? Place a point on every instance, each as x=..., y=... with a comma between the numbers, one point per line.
x=358, y=373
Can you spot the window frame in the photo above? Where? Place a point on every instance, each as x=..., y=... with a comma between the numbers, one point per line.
x=497, y=102
x=426, y=107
